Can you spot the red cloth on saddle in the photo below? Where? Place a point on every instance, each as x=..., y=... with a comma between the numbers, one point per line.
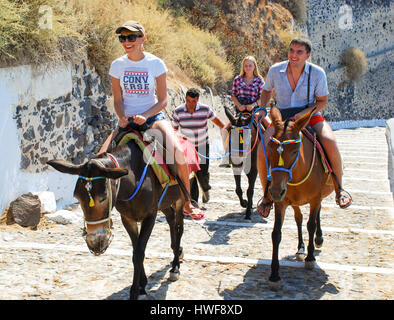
x=191, y=156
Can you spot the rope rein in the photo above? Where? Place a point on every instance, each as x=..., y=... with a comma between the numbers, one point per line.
x=311, y=167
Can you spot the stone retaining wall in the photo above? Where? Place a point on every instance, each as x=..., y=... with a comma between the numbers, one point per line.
x=333, y=27
x=71, y=126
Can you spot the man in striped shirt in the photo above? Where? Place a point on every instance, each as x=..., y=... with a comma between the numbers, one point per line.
x=192, y=119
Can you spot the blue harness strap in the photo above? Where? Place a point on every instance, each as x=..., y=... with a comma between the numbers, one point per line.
x=163, y=194
x=142, y=176
x=139, y=183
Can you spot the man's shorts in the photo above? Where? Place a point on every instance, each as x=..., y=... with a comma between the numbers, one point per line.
x=316, y=118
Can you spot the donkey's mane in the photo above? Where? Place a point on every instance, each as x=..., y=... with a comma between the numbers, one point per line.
x=121, y=153
x=286, y=124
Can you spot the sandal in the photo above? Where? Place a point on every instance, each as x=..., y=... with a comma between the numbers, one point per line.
x=343, y=199
x=196, y=214
x=264, y=207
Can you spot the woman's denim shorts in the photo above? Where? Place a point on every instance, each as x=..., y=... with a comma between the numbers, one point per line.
x=149, y=121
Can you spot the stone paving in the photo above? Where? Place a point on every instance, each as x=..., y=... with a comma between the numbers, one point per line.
x=226, y=257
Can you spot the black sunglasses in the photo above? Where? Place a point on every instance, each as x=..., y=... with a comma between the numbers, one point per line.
x=130, y=37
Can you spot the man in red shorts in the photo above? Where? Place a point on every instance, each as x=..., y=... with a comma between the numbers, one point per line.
x=290, y=81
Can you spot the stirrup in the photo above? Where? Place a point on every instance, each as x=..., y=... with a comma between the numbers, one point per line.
x=343, y=194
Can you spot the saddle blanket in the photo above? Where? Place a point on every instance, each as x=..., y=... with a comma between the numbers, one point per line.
x=309, y=133
x=157, y=163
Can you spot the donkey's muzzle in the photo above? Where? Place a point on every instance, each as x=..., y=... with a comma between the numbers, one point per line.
x=277, y=193
x=99, y=240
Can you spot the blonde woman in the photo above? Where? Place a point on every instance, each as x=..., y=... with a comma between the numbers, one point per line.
x=140, y=95
x=247, y=86
x=245, y=93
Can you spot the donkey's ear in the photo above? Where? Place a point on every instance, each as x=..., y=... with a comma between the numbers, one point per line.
x=113, y=173
x=275, y=114
x=229, y=115
x=276, y=118
x=65, y=166
x=302, y=122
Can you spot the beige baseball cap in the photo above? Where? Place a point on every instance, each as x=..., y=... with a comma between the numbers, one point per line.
x=131, y=25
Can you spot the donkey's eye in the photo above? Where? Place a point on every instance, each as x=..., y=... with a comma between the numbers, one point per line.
x=102, y=200
x=294, y=153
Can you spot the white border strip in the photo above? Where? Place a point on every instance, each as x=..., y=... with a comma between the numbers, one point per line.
x=286, y=226
x=258, y=187
x=356, y=124
x=271, y=225
x=382, y=172
x=324, y=205
x=150, y=254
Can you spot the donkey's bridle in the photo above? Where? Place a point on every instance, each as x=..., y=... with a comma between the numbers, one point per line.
x=280, y=151
x=109, y=190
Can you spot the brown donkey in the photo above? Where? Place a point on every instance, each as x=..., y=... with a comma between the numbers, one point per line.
x=298, y=178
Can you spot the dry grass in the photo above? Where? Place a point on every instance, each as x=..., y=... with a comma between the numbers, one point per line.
x=23, y=41
x=285, y=37
x=355, y=62
x=90, y=24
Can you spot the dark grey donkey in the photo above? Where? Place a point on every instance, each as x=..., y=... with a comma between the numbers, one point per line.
x=243, y=140
x=109, y=180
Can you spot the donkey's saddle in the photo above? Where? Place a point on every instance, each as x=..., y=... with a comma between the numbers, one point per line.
x=164, y=173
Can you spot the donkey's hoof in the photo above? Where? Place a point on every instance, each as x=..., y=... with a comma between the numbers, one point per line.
x=309, y=265
x=274, y=285
x=319, y=242
x=174, y=276
x=300, y=256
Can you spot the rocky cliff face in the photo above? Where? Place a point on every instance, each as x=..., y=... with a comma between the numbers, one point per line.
x=262, y=28
x=245, y=27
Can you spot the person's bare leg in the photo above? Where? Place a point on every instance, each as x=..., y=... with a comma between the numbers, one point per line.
x=173, y=145
x=225, y=163
x=107, y=143
x=327, y=139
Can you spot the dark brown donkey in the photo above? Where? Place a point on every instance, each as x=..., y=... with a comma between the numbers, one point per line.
x=240, y=160
x=298, y=178
x=109, y=180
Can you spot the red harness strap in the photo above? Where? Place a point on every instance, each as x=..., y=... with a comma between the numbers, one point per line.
x=113, y=160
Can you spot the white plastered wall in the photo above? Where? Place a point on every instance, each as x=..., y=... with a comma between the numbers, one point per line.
x=23, y=85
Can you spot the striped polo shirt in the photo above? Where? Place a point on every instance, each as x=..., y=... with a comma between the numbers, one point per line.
x=193, y=125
